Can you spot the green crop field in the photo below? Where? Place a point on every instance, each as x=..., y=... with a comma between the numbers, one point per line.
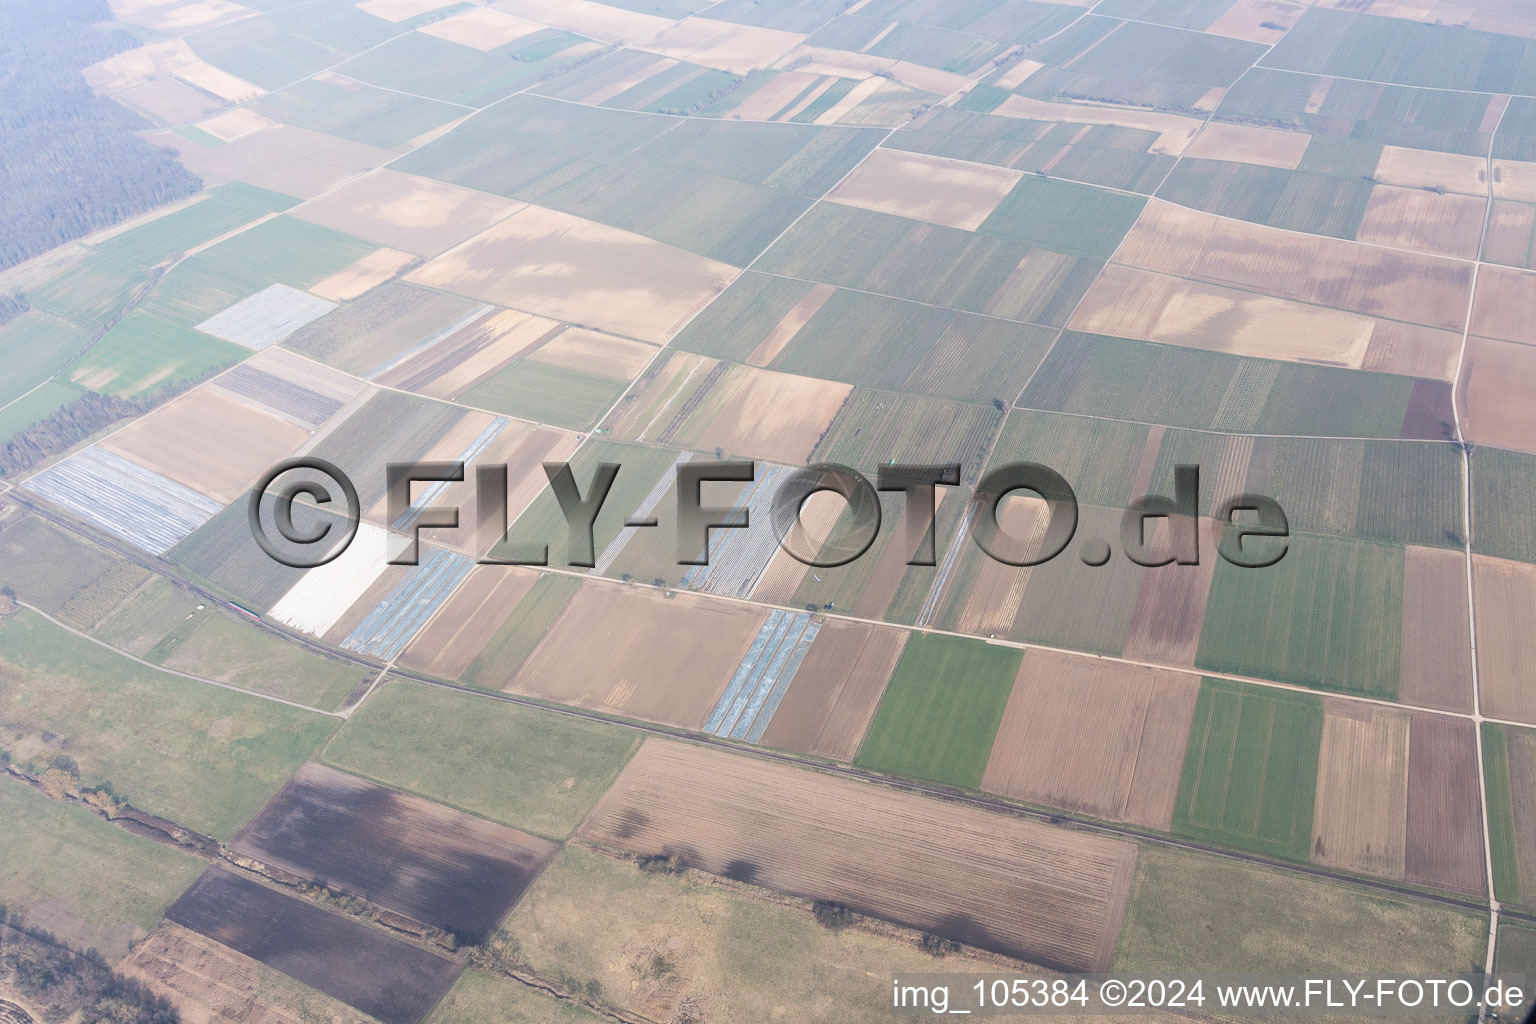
x=201, y=756
x=369, y=332
x=1098, y=458
x=742, y=317
x=1517, y=131
x=803, y=160
x=941, y=710
x=392, y=426
x=484, y=997
x=91, y=292
x=1328, y=615
x=1367, y=113
x=1503, y=836
x=959, y=52
x=521, y=632
x=1516, y=947
x=1503, y=487
x=536, y=770
x=1147, y=65
x=220, y=646
x=224, y=209
x=1082, y=607
x=874, y=428
x=1191, y=14
x=222, y=556
x=90, y=883
x=356, y=111
x=546, y=393
x=36, y=345
x=437, y=69
x=145, y=352
x=1064, y=217
x=1403, y=52
x=273, y=50
x=46, y=566
x=37, y=405
x=1250, y=772
x=1191, y=908
x=948, y=267
x=282, y=250
x=1094, y=375
x=1319, y=204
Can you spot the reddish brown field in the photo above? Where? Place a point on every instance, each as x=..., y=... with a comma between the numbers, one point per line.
x=1436, y=660
x=1505, y=306
x=1445, y=827
x=468, y=620
x=1026, y=890
x=1170, y=608
x=209, y=983
x=1308, y=268
x=638, y=652
x=1359, y=822
x=1413, y=218
x=1497, y=380
x=1505, y=593
x=833, y=697
x=1100, y=737
x=1413, y=350
x=209, y=441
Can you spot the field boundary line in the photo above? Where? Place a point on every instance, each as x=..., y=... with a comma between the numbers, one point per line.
x=171, y=671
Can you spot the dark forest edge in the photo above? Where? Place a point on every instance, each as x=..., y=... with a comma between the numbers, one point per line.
x=71, y=163
x=61, y=983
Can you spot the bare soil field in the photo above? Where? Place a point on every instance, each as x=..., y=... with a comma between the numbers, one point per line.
x=1505, y=306
x=1506, y=648
x=1359, y=822
x=400, y=10
x=594, y=352
x=1102, y=738
x=482, y=28
x=568, y=268
x=468, y=620
x=761, y=413
x=1414, y=218
x=1436, y=663
x=236, y=124
x=437, y=865
x=789, y=326
x=594, y=20
x=369, y=272
x=294, y=161
x=1015, y=887
x=403, y=211
x=987, y=592
x=639, y=652
x=829, y=705
x=739, y=49
x=1445, y=828
x=210, y=983
x=222, y=84
x=1332, y=272
x=1131, y=303
x=1268, y=147
x=928, y=188
x=210, y=442
x=455, y=364
x=1413, y=350
x=167, y=100
x=1170, y=607
x=1515, y=179
x=1175, y=131
x=1427, y=169
x=291, y=386
x=139, y=65
x=1497, y=380
x=1259, y=21
x=385, y=977
x=1510, y=227
x=170, y=16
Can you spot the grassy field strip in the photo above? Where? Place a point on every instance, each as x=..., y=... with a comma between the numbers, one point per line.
x=170, y=671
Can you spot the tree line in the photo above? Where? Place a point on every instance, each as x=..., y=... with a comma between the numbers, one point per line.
x=64, y=984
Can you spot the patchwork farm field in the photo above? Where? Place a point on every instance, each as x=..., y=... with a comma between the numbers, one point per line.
x=1054, y=898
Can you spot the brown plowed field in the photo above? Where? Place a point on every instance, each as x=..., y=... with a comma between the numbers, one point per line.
x=1100, y=737
x=989, y=594
x=209, y=441
x=1308, y=268
x=388, y=978
x=1506, y=645
x=1170, y=608
x=639, y=652
x=1445, y=825
x=1436, y=669
x=210, y=983
x=1505, y=307
x=437, y=865
x=1016, y=887
x=403, y=211
x=595, y=352
x=1359, y=822
x=833, y=697
x=1412, y=218
x=468, y=620
x=762, y=414
x=1497, y=381
x=1413, y=350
